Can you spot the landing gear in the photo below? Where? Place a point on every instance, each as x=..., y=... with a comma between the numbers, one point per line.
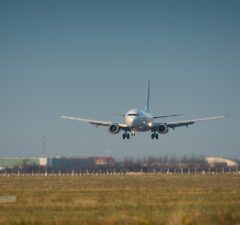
x=126, y=135
x=154, y=135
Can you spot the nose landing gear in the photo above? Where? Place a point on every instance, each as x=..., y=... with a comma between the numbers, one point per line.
x=126, y=135
x=154, y=135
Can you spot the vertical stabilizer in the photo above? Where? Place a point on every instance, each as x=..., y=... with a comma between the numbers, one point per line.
x=148, y=95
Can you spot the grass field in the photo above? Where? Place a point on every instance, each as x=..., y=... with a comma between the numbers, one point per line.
x=143, y=199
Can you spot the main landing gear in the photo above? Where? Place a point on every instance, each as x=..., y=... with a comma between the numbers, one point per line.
x=154, y=135
x=127, y=135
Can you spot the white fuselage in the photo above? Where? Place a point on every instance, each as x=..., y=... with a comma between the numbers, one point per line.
x=139, y=120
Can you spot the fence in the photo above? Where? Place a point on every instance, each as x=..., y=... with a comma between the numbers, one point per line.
x=100, y=172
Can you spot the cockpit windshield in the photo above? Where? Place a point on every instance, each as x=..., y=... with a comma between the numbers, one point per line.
x=132, y=114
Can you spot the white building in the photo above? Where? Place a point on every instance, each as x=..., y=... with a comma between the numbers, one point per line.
x=214, y=160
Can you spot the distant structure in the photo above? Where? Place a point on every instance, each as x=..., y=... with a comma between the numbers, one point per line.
x=69, y=162
x=104, y=161
x=78, y=162
x=212, y=161
x=57, y=162
x=44, y=146
x=14, y=162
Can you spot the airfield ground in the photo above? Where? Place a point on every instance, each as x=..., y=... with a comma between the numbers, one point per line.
x=123, y=199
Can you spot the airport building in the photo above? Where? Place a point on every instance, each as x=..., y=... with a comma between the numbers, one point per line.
x=70, y=162
x=57, y=162
x=14, y=162
x=101, y=161
x=79, y=162
x=213, y=161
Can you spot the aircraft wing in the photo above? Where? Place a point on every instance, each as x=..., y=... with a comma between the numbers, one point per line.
x=189, y=122
x=156, y=117
x=94, y=122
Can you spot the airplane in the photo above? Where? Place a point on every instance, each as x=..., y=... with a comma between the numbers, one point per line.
x=142, y=120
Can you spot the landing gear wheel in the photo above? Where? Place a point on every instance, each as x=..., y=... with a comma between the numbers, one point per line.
x=128, y=136
x=124, y=135
x=154, y=135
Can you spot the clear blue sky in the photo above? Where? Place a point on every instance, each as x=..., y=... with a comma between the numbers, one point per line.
x=92, y=59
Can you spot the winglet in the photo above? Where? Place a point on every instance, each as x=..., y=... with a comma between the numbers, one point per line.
x=227, y=114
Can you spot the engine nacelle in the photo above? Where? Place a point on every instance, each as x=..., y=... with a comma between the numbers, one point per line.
x=162, y=128
x=113, y=128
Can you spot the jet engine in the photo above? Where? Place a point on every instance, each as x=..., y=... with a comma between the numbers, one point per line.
x=113, y=128
x=162, y=128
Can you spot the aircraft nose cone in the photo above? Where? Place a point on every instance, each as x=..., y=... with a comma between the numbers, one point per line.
x=130, y=122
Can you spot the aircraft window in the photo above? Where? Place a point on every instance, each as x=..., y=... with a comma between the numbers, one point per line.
x=132, y=114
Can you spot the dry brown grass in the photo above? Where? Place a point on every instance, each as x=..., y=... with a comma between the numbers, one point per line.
x=146, y=199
